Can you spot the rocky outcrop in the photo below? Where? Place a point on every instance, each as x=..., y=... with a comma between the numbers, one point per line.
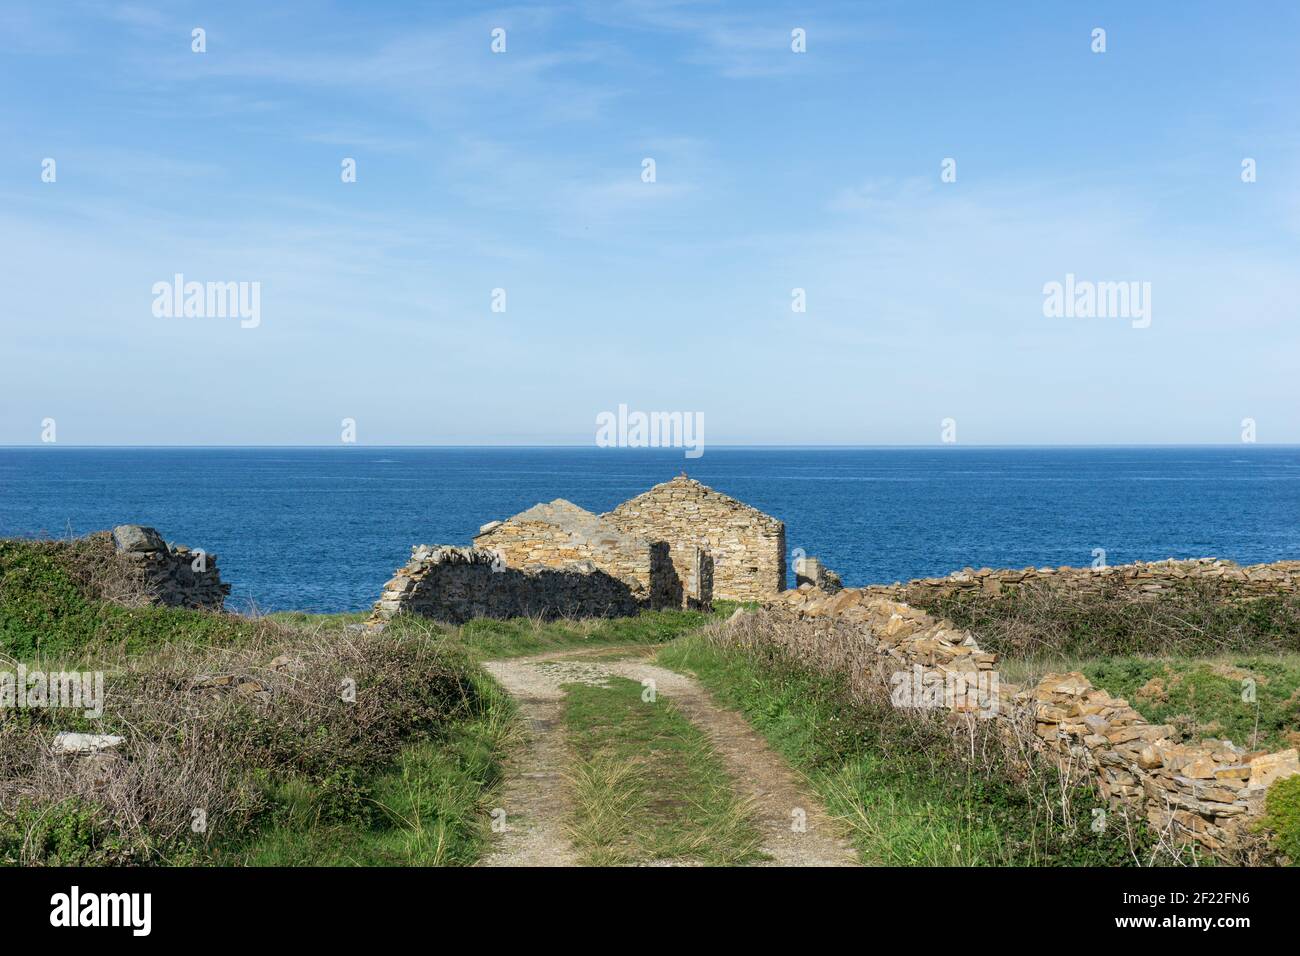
x=1209, y=792
x=458, y=584
x=172, y=575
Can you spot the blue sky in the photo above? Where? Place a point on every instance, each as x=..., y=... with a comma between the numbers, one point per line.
x=774, y=171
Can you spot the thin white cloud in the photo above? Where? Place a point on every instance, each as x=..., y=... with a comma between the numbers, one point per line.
x=734, y=41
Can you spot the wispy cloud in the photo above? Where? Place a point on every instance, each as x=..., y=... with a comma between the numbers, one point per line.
x=522, y=171
x=735, y=42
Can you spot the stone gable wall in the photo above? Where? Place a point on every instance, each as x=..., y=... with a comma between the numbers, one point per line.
x=173, y=575
x=745, y=548
x=1209, y=792
x=458, y=584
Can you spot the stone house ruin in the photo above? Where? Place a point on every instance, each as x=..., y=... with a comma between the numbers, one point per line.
x=680, y=544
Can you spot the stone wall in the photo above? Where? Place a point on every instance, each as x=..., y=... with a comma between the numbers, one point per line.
x=812, y=572
x=558, y=534
x=458, y=584
x=173, y=576
x=1120, y=580
x=1208, y=792
x=742, y=548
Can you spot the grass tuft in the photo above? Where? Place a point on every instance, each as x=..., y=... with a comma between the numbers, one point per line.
x=648, y=785
x=518, y=637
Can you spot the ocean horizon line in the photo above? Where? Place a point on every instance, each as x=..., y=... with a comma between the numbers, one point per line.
x=717, y=447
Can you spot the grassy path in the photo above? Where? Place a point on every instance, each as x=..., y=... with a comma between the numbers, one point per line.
x=646, y=767
x=648, y=787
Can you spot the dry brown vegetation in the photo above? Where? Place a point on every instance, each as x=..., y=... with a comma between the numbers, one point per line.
x=1201, y=617
x=210, y=732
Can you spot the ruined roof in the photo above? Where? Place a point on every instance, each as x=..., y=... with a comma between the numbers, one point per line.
x=558, y=512
x=682, y=486
x=572, y=519
x=583, y=524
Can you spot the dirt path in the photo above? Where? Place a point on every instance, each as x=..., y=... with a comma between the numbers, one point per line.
x=535, y=796
x=536, y=800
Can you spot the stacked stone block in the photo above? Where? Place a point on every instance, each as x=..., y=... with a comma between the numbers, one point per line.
x=1122, y=580
x=560, y=534
x=812, y=572
x=456, y=585
x=1210, y=792
x=173, y=576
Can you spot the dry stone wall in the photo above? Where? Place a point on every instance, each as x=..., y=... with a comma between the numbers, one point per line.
x=458, y=584
x=173, y=575
x=1209, y=792
x=558, y=534
x=742, y=549
x=1142, y=577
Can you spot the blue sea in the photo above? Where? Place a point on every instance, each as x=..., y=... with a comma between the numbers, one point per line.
x=321, y=529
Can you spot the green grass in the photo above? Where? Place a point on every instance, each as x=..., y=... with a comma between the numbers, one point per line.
x=401, y=780
x=323, y=622
x=415, y=799
x=905, y=802
x=430, y=808
x=1179, y=657
x=648, y=785
x=489, y=638
x=519, y=637
x=427, y=806
x=1200, y=698
x=1282, y=818
x=64, y=832
x=50, y=612
x=1205, y=698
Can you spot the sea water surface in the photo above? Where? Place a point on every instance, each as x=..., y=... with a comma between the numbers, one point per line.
x=322, y=529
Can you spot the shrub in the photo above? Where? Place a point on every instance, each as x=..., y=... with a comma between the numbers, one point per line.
x=1199, y=617
x=222, y=752
x=70, y=832
x=1282, y=818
